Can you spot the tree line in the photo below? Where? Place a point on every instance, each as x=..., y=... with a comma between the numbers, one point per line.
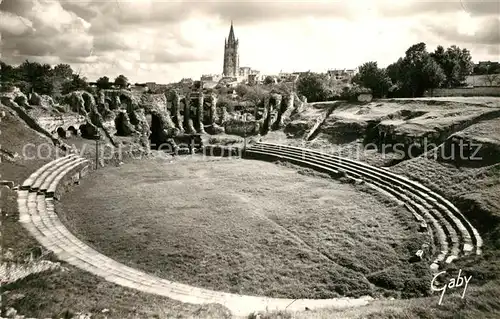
x=410, y=76
x=54, y=81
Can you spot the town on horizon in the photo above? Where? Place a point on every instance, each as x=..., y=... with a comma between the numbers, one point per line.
x=233, y=74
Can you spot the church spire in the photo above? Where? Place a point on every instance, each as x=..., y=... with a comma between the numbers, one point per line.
x=231, y=38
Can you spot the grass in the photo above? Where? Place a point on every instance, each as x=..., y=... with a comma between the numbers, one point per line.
x=242, y=226
x=18, y=147
x=63, y=294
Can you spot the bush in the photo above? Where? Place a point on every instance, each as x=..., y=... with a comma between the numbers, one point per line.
x=268, y=80
x=313, y=86
x=227, y=102
x=351, y=93
x=242, y=90
x=387, y=280
x=416, y=287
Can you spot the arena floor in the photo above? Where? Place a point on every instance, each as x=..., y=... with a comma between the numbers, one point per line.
x=243, y=226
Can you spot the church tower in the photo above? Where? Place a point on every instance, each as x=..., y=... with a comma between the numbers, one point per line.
x=231, y=56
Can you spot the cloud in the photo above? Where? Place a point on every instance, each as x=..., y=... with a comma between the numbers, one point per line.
x=160, y=40
x=486, y=31
x=47, y=30
x=13, y=24
x=244, y=11
x=474, y=8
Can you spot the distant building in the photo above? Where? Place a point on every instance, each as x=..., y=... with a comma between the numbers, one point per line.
x=187, y=81
x=229, y=81
x=209, y=84
x=254, y=79
x=211, y=77
x=302, y=73
x=341, y=74
x=245, y=73
x=288, y=77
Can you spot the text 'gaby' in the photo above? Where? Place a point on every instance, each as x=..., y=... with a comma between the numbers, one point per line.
x=453, y=283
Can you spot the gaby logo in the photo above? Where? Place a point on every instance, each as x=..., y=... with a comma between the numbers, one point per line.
x=452, y=284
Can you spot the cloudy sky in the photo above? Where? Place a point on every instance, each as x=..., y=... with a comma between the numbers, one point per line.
x=164, y=41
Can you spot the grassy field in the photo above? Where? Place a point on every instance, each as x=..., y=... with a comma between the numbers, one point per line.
x=245, y=227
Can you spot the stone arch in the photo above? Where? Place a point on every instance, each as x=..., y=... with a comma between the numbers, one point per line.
x=61, y=132
x=158, y=136
x=125, y=101
x=89, y=131
x=73, y=130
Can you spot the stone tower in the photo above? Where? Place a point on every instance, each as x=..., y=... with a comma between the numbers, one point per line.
x=231, y=56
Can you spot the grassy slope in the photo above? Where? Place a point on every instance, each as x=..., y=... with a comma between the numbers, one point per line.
x=291, y=236
x=16, y=164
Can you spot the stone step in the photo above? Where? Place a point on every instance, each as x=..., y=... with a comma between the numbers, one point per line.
x=31, y=179
x=41, y=178
x=370, y=174
x=53, y=185
x=48, y=180
x=476, y=238
x=442, y=239
x=450, y=231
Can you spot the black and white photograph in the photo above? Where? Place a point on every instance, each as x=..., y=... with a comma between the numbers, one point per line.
x=283, y=159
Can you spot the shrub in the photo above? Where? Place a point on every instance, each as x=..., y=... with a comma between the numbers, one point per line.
x=313, y=86
x=351, y=93
x=227, y=102
x=387, y=280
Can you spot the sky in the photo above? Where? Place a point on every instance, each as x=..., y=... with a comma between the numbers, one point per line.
x=164, y=41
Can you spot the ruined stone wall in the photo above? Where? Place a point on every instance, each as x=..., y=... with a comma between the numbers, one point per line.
x=199, y=114
x=188, y=121
x=176, y=110
x=51, y=123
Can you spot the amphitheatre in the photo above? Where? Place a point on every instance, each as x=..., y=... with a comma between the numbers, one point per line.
x=273, y=210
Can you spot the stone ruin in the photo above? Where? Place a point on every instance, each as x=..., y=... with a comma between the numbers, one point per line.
x=113, y=113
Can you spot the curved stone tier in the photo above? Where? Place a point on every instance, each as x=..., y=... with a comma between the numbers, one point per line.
x=453, y=234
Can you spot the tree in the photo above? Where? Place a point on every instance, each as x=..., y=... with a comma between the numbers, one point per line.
x=313, y=87
x=433, y=74
x=491, y=79
x=39, y=76
x=103, y=83
x=268, y=80
x=370, y=76
x=455, y=62
x=121, y=81
x=242, y=89
x=76, y=83
x=8, y=73
x=63, y=71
